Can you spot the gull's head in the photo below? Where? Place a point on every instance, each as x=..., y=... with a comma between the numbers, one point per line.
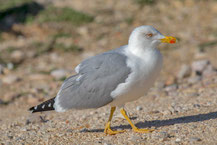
x=148, y=37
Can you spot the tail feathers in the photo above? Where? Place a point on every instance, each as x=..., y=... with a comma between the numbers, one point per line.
x=45, y=106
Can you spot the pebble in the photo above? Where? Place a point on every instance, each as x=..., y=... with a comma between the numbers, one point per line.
x=195, y=79
x=10, y=79
x=10, y=66
x=93, y=112
x=10, y=137
x=193, y=139
x=171, y=87
x=199, y=65
x=139, y=108
x=209, y=71
x=196, y=106
x=83, y=31
x=107, y=144
x=184, y=72
x=59, y=74
x=178, y=140
x=17, y=56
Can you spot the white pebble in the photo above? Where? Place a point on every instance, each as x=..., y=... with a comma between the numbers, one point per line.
x=59, y=74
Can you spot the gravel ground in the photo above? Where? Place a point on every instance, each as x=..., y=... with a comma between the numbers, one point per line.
x=181, y=107
x=186, y=115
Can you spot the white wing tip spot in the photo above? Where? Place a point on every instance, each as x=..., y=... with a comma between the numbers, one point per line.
x=57, y=106
x=77, y=68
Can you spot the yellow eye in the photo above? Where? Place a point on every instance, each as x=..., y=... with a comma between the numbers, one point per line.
x=149, y=35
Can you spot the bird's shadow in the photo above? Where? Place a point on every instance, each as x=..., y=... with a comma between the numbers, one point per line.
x=167, y=122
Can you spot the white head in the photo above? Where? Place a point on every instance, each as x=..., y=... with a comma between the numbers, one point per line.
x=148, y=37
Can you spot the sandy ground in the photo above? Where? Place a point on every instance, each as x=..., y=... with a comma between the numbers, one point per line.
x=182, y=110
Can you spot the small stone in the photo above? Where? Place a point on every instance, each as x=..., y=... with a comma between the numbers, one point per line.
x=24, y=129
x=193, y=139
x=194, y=79
x=184, y=72
x=171, y=87
x=10, y=79
x=209, y=71
x=17, y=56
x=199, y=65
x=93, y=112
x=178, y=140
x=28, y=122
x=107, y=144
x=178, y=109
x=59, y=74
x=83, y=31
x=139, y=108
x=10, y=66
x=10, y=137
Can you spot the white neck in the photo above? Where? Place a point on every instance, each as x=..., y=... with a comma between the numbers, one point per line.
x=139, y=49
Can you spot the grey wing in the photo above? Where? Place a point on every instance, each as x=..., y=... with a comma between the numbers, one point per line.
x=92, y=86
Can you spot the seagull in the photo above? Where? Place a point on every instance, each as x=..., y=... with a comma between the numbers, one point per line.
x=113, y=78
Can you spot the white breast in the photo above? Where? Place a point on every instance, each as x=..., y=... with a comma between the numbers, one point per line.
x=145, y=69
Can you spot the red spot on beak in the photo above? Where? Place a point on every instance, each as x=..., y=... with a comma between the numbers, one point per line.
x=173, y=41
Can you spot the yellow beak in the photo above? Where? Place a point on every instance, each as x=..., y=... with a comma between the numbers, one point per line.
x=168, y=39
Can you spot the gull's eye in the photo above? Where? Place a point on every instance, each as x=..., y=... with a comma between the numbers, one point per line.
x=149, y=35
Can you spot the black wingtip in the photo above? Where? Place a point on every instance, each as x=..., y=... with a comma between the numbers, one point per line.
x=32, y=109
x=45, y=106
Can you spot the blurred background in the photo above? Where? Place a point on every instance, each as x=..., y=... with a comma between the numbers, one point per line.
x=41, y=41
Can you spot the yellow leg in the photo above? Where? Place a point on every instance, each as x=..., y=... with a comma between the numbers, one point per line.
x=135, y=129
x=108, y=129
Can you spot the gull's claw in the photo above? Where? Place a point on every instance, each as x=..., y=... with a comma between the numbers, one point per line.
x=143, y=130
x=109, y=131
